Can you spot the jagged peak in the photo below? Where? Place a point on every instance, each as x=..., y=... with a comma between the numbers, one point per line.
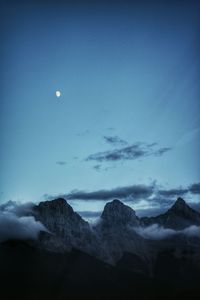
x=58, y=201
x=119, y=213
x=117, y=204
x=58, y=204
x=180, y=207
x=180, y=204
x=58, y=210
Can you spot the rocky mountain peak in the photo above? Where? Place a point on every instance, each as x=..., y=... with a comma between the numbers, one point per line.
x=117, y=213
x=67, y=228
x=180, y=204
x=181, y=208
x=58, y=212
x=56, y=207
x=178, y=217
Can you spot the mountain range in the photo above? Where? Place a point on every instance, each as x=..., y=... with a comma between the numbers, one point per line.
x=117, y=231
x=121, y=253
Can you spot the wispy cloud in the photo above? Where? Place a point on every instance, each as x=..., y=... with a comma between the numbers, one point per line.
x=83, y=133
x=132, y=152
x=115, y=140
x=97, y=167
x=110, y=128
x=152, y=144
x=161, y=151
x=61, y=163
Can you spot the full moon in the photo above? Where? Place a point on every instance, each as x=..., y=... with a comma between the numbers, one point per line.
x=58, y=94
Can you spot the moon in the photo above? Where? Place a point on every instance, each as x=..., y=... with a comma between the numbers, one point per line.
x=58, y=93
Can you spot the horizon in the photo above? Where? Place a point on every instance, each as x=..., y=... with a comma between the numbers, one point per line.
x=93, y=217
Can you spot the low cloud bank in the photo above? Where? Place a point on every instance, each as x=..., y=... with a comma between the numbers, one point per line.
x=157, y=232
x=16, y=222
x=150, y=192
x=135, y=191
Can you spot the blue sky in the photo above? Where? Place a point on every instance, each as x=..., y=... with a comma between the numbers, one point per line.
x=128, y=71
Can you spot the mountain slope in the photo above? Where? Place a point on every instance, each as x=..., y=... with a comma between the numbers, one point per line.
x=27, y=272
x=116, y=213
x=116, y=232
x=67, y=229
x=179, y=216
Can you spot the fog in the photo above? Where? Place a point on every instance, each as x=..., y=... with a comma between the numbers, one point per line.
x=17, y=223
x=157, y=232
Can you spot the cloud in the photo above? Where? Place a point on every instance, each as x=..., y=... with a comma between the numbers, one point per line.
x=152, y=144
x=155, y=196
x=194, y=188
x=157, y=232
x=133, y=191
x=83, y=133
x=110, y=128
x=132, y=152
x=173, y=192
x=97, y=167
x=89, y=214
x=149, y=211
x=115, y=140
x=160, y=200
x=161, y=151
x=192, y=231
x=61, y=163
x=15, y=223
x=147, y=200
x=22, y=209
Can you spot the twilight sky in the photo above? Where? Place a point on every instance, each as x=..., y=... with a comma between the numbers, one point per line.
x=127, y=123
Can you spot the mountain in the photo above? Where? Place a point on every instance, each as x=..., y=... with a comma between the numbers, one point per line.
x=66, y=228
x=27, y=272
x=116, y=232
x=116, y=213
x=40, y=274
x=108, y=240
x=74, y=260
x=178, y=217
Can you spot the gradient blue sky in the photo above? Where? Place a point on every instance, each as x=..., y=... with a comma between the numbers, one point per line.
x=126, y=70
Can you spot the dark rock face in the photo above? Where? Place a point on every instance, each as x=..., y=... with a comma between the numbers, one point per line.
x=106, y=241
x=66, y=228
x=59, y=217
x=116, y=232
x=116, y=213
x=179, y=216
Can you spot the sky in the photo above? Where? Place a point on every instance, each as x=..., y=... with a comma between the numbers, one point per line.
x=128, y=117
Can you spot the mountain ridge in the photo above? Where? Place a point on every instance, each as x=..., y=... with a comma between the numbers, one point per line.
x=179, y=216
x=114, y=234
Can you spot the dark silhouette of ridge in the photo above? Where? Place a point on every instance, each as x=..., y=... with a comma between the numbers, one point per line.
x=179, y=216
